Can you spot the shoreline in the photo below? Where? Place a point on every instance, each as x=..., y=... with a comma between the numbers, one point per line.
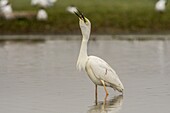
x=78, y=37
x=111, y=17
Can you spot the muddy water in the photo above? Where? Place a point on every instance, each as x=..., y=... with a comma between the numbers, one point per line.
x=41, y=77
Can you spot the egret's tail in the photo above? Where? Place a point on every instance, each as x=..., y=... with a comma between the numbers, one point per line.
x=119, y=87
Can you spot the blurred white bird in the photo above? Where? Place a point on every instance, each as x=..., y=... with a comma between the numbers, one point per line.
x=160, y=5
x=42, y=15
x=6, y=9
x=97, y=69
x=34, y=2
x=43, y=3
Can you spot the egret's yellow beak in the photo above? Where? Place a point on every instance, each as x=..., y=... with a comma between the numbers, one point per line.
x=80, y=15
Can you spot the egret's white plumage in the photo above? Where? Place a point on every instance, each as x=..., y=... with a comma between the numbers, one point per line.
x=3, y=3
x=42, y=15
x=97, y=69
x=160, y=5
x=6, y=9
x=43, y=3
x=34, y=2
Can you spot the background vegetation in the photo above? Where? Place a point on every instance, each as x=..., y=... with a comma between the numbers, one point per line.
x=107, y=17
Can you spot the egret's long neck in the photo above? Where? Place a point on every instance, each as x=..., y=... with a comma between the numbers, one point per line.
x=83, y=49
x=81, y=62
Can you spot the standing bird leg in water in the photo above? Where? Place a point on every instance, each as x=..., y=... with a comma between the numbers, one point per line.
x=96, y=94
x=97, y=69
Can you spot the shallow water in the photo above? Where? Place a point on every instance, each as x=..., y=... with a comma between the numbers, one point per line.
x=41, y=77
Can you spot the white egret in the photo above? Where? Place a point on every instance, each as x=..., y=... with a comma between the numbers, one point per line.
x=160, y=5
x=6, y=9
x=43, y=3
x=97, y=69
x=42, y=15
x=34, y=2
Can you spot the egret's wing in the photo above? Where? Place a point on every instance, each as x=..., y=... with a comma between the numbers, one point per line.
x=103, y=71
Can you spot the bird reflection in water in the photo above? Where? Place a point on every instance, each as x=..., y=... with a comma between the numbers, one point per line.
x=111, y=106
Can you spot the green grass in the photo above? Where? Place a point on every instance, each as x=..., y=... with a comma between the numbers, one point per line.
x=106, y=16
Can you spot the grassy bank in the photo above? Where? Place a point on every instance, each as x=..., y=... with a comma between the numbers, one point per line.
x=107, y=17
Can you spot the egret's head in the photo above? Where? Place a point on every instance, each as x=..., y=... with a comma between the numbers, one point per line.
x=84, y=23
x=85, y=27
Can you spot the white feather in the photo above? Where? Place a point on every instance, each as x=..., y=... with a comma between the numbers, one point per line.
x=103, y=71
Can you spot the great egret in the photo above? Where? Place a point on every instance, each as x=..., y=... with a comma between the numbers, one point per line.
x=6, y=9
x=43, y=3
x=160, y=5
x=97, y=69
x=42, y=14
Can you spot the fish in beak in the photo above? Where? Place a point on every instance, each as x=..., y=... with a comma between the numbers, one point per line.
x=77, y=12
